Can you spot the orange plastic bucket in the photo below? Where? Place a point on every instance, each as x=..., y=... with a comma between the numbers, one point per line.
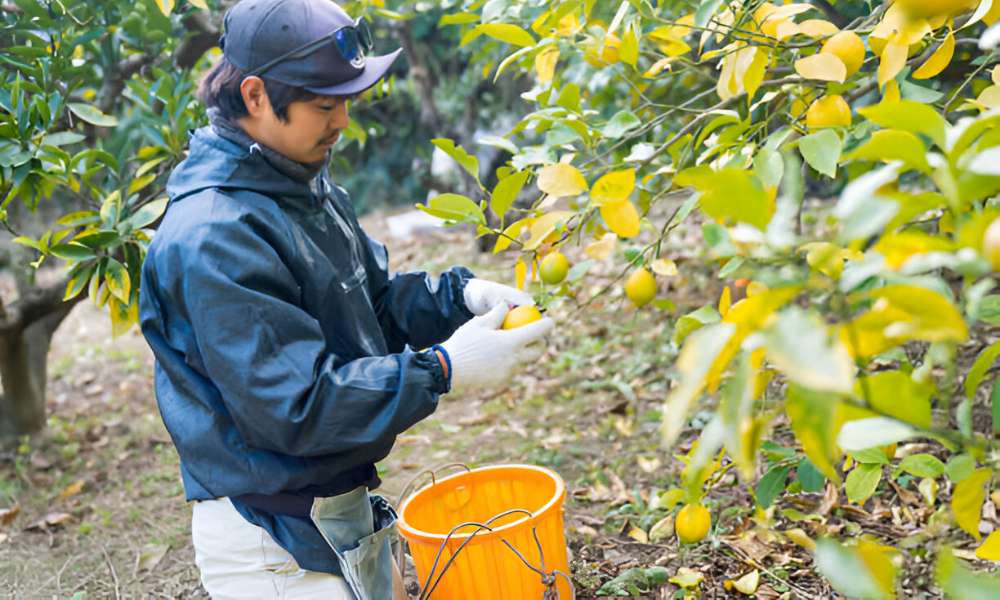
x=486, y=568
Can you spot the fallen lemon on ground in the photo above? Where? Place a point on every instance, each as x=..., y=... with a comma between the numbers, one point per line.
x=519, y=316
x=693, y=523
x=828, y=111
x=640, y=287
x=553, y=268
x=849, y=48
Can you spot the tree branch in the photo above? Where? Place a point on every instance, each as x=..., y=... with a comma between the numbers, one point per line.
x=35, y=305
x=204, y=36
x=114, y=82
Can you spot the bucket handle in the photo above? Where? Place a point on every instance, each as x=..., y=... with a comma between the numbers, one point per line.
x=548, y=578
x=433, y=472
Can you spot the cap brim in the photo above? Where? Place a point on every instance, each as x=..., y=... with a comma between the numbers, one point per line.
x=375, y=69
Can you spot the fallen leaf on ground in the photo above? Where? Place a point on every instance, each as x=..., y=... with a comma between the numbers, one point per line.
x=150, y=557
x=687, y=578
x=50, y=520
x=7, y=515
x=71, y=490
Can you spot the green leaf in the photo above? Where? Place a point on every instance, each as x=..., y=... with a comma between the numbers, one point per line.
x=803, y=348
x=506, y=192
x=995, y=402
x=989, y=309
x=62, y=138
x=770, y=485
x=467, y=161
x=979, y=368
x=811, y=414
x=889, y=145
x=459, y=19
x=872, y=456
x=850, y=574
x=922, y=465
x=894, y=393
x=24, y=240
x=822, y=151
x=730, y=194
x=505, y=32
x=694, y=363
x=454, y=207
x=908, y=115
x=768, y=166
x=862, y=434
x=809, y=477
x=80, y=217
x=119, y=283
x=78, y=280
x=498, y=142
x=72, y=251
x=149, y=213
x=960, y=583
x=692, y=321
x=960, y=467
x=620, y=124
x=862, y=482
x=967, y=501
x=92, y=115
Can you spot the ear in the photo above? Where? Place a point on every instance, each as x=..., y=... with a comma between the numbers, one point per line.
x=255, y=96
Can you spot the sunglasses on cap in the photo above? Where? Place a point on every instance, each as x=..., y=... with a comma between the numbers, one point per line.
x=352, y=41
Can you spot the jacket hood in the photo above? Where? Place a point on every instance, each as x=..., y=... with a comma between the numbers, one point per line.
x=215, y=161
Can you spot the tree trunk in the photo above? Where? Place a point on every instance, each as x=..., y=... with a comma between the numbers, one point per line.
x=25, y=335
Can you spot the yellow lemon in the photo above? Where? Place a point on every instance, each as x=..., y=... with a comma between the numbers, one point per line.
x=828, y=111
x=640, y=287
x=933, y=8
x=553, y=268
x=692, y=523
x=849, y=48
x=519, y=316
x=991, y=244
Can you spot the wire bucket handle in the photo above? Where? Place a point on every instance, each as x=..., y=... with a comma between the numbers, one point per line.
x=549, y=578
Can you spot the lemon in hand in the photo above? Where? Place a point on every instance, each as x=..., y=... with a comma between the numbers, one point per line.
x=692, y=523
x=519, y=316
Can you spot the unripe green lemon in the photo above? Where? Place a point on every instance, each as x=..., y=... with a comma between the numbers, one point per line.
x=553, y=268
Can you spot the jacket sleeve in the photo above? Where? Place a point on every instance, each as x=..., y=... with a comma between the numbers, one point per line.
x=416, y=308
x=285, y=392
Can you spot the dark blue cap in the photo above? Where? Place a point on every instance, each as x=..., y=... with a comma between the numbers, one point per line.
x=260, y=32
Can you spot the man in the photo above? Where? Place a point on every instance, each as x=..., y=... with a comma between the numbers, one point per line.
x=288, y=360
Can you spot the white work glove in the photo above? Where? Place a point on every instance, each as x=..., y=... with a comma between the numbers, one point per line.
x=484, y=355
x=482, y=295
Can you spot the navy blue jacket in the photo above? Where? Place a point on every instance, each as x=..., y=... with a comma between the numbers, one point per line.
x=284, y=350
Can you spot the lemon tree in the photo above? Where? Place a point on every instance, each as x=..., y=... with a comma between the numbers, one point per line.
x=852, y=311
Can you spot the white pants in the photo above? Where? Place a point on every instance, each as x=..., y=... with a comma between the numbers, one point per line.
x=239, y=560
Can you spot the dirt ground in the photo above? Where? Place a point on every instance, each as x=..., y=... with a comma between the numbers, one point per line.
x=101, y=512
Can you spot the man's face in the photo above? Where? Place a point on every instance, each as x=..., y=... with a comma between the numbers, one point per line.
x=311, y=129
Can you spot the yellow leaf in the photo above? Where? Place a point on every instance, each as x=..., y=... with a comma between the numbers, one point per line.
x=725, y=301
x=967, y=501
x=664, y=267
x=638, y=535
x=996, y=70
x=71, y=490
x=199, y=4
x=990, y=97
x=687, y=578
x=823, y=66
x=891, y=92
x=878, y=559
x=560, y=180
x=510, y=234
x=545, y=225
x=568, y=25
x=520, y=273
x=166, y=6
x=123, y=316
x=658, y=67
x=817, y=28
x=897, y=248
x=753, y=76
x=602, y=248
x=990, y=548
x=621, y=218
x=748, y=583
x=613, y=187
x=545, y=64
x=939, y=60
x=892, y=62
